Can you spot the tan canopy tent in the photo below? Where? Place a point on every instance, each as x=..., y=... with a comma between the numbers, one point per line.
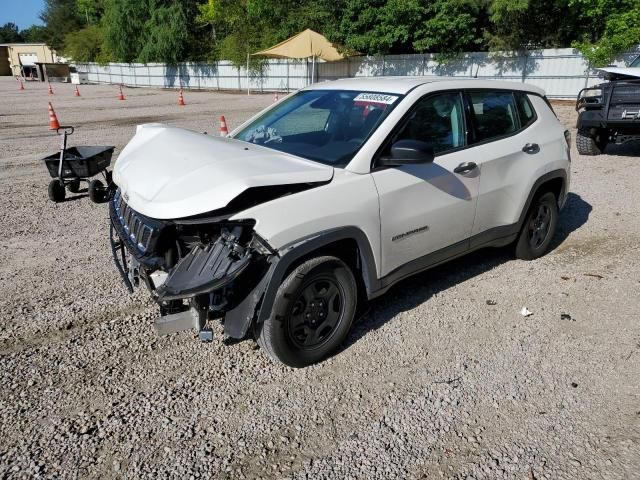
x=306, y=44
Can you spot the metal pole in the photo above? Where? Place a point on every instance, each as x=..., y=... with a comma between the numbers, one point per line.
x=313, y=69
x=248, y=85
x=586, y=80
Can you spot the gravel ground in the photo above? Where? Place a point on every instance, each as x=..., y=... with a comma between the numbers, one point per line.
x=441, y=377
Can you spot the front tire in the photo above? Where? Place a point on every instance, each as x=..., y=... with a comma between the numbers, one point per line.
x=312, y=313
x=587, y=144
x=539, y=227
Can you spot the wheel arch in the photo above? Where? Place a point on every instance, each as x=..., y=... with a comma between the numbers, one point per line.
x=554, y=182
x=350, y=244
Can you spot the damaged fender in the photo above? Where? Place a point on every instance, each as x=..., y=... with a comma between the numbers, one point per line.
x=258, y=304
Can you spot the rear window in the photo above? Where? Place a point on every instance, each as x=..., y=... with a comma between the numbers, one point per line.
x=494, y=114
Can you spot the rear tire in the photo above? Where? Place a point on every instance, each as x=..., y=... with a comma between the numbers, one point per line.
x=312, y=313
x=587, y=144
x=538, y=228
x=96, y=191
x=56, y=191
x=74, y=186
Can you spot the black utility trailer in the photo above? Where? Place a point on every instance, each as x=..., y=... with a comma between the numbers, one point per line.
x=78, y=164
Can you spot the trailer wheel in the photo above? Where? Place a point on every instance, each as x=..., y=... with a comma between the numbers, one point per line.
x=96, y=191
x=74, y=186
x=56, y=191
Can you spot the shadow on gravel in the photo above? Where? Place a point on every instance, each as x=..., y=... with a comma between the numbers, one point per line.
x=76, y=197
x=419, y=288
x=574, y=214
x=629, y=149
x=416, y=290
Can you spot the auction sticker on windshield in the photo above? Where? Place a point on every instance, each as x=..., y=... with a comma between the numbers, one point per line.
x=376, y=97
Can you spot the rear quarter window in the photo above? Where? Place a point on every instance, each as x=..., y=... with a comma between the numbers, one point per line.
x=525, y=109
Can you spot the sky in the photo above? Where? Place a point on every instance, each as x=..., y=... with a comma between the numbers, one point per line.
x=23, y=13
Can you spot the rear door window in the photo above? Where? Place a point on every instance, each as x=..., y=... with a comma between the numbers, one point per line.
x=493, y=114
x=437, y=120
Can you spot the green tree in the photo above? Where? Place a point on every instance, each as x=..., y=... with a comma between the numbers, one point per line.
x=85, y=45
x=446, y=27
x=234, y=29
x=34, y=34
x=450, y=27
x=91, y=10
x=615, y=28
x=60, y=18
x=9, y=33
x=521, y=24
x=381, y=26
x=165, y=35
x=124, y=28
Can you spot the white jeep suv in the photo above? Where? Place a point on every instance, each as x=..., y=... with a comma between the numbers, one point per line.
x=329, y=196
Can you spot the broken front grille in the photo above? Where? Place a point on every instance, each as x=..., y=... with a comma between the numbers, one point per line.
x=133, y=224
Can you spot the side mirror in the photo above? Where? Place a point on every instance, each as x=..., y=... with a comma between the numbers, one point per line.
x=408, y=152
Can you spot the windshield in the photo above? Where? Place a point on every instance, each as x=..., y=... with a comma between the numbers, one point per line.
x=636, y=62
x=328, y=126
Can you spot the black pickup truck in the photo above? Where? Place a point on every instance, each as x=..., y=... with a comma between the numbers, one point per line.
x=609, y=112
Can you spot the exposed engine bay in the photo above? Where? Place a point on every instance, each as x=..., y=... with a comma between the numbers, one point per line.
x=203, y=266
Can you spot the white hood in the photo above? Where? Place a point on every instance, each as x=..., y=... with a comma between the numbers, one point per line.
x=166, y=172
x=622, y=71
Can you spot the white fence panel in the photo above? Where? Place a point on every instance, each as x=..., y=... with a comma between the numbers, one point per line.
x=560, y=72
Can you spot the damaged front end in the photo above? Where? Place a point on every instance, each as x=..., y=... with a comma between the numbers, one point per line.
x=196, y=268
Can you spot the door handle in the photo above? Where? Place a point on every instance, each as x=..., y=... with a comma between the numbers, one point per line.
x=465, y=167
x=531, y=148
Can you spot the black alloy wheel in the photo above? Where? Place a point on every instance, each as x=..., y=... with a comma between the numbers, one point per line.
x=539, y=227
x=315, y=313
x=312, y=313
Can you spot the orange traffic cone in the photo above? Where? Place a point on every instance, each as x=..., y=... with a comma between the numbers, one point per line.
x=53, y=119
x=50, y=89
x=121, y=96
x=275, y=97
x=21, y=87
x=77, y=92
x=223, y=127
x=181, y=98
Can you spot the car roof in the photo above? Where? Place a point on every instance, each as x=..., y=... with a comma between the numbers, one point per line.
x=403, y=85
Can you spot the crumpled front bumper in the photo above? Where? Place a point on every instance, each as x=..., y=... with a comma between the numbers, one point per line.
x=119, y=253
x=204, y=269
x=203, y=273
